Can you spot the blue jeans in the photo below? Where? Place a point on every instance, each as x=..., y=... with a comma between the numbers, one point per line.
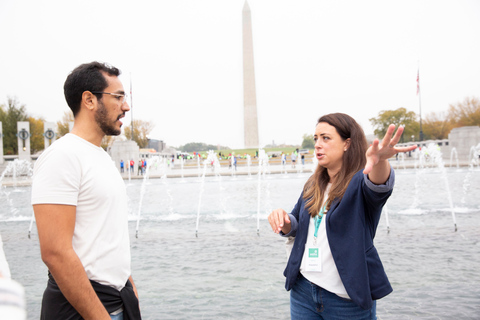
x=117, y=316
x=309, y=301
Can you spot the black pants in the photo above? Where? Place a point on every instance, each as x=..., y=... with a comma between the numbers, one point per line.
x=55, y=306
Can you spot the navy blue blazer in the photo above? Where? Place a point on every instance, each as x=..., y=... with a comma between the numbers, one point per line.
x=351, y=225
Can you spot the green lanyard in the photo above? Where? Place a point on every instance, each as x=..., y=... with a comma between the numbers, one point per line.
x=318, y=220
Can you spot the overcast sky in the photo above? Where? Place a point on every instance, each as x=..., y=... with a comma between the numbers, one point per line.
x=184, y=59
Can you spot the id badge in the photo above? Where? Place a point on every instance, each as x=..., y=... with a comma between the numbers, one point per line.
x=314, y=260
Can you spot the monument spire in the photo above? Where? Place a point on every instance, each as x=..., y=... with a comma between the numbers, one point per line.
x=249, y=92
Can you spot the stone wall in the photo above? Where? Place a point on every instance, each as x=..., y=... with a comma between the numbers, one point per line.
x=124, y=150
x=463, y=139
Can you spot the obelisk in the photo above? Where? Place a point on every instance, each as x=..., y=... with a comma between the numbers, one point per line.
x=249, y=93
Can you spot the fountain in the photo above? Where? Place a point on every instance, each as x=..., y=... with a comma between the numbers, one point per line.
x=198, y=166
x=182, y=162
x=18, y=172
x=211, y=160
x=233, y=163
x=431, y=156
x=152, y=162
x=475, y=155
x=400, y=160
x=262, y=171
x=249, y=164
x=173, y=206
x=454, y=152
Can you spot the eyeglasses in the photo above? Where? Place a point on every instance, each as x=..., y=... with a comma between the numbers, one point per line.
x=121, y=97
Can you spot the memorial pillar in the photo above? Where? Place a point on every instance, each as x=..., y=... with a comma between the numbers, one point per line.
x=49, y=133
x=23, y=140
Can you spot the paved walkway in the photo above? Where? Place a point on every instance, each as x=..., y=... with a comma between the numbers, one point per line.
x=193, y=170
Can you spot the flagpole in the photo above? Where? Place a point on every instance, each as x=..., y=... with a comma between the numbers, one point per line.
x=419, y=101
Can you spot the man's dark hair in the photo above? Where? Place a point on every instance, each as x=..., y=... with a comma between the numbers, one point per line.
x=86, y=77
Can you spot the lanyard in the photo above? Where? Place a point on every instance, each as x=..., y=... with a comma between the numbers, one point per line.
x=318, y=220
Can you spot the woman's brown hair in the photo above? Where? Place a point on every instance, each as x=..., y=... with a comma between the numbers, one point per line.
x=353, y=161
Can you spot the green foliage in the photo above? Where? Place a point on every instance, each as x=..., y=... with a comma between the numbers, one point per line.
x=308, y=142
x=397, y=117
x=37, y=139
x=436, y=126
x=199, y=147
x=63, y=126
x=141, y=130
x=253, y=152
x=466, y=113
x=9, y=116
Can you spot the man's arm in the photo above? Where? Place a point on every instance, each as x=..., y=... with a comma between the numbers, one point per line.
x=55, y=224
x=134, y=287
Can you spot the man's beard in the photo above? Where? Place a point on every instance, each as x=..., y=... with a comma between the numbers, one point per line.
x=101, y=117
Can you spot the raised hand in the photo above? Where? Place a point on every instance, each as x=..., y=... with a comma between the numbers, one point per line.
x=380, y=151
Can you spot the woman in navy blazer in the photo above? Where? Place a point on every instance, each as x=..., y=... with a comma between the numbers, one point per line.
x=334, y=271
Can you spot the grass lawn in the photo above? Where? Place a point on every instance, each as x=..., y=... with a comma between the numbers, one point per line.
x=251, y=152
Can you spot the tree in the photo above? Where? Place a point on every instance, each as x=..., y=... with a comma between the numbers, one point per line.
x=63, y=126
x=9, y=116
x=107, y=141
x=141, y=129
x=37, y=140
x=308, y=142
x=200, y=146
x=466, y=113
x=398, y=117
x=436, y=126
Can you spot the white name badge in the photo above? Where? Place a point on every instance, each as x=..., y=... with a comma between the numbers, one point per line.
x=314, y=260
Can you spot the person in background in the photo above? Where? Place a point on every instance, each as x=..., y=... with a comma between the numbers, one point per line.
x=132, y=165
x=80, y=206
x=294, y=158
x=334, y=270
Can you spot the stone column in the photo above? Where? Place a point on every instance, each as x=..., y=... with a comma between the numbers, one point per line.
x=23, y=139
x=1, y=144
x=70, y=126
x=250, y=120
x=463, y=139
x=49, y=133
x=126, y=151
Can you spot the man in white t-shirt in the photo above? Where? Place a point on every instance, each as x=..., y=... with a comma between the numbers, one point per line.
x=79, y=201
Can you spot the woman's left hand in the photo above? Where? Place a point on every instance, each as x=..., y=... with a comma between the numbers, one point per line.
x=381, y=151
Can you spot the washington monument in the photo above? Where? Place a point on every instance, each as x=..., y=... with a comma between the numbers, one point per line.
x=250, y=121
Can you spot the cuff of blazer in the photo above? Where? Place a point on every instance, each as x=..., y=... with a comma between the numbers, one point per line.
x=381, y=188
x=293, y=230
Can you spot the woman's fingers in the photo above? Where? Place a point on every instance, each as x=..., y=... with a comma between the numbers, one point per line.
x=277, y=219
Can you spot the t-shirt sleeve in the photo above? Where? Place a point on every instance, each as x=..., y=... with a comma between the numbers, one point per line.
x=56, y=178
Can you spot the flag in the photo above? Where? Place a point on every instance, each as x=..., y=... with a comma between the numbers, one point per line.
x=418, y=81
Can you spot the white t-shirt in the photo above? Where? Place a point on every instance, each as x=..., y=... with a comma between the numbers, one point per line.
x=72, y=171
x=328, y=278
